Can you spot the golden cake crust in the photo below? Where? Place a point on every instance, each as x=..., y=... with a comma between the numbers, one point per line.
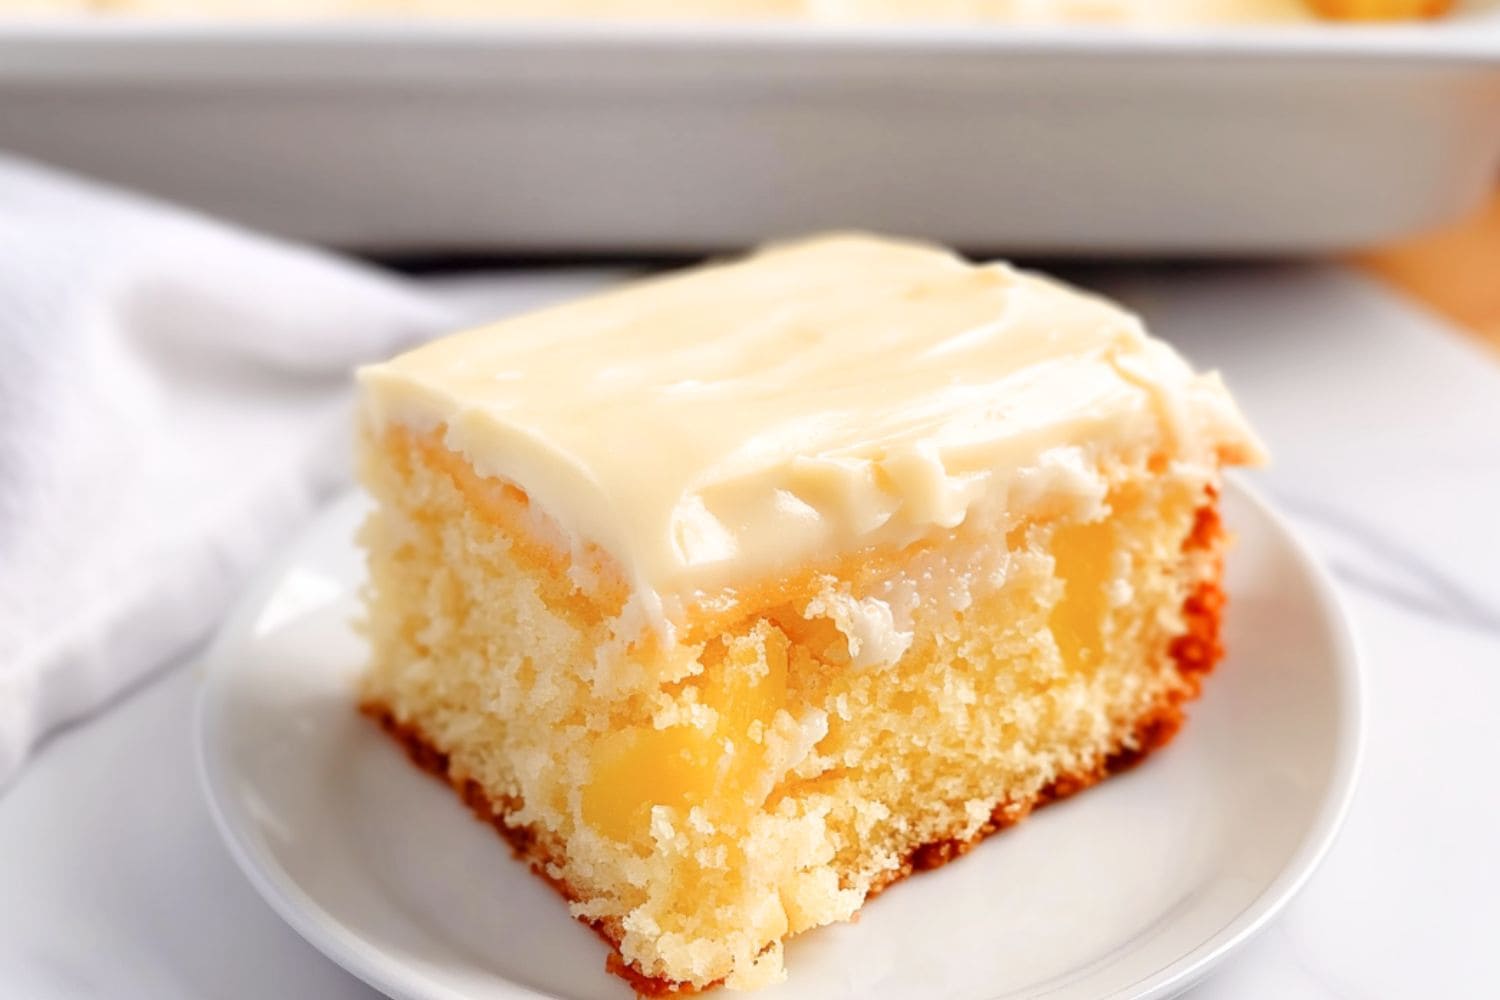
x=1194, y=654
x=1155, y=730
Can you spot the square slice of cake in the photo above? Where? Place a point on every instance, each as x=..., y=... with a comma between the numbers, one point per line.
x=732, y=596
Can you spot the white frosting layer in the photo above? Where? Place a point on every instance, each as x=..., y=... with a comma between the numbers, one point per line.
x=731, y=422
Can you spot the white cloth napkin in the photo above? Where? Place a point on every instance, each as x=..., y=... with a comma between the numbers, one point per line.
x=174, y=396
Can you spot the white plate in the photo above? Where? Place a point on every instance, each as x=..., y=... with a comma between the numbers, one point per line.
x=562, y=137
x=1132, y=889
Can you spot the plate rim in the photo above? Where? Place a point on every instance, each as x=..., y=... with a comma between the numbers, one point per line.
x=357, y=956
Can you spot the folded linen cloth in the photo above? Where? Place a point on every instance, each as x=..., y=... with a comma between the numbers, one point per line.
x=174, y=397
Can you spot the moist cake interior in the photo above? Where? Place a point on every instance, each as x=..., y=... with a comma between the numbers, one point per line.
x=708, y=758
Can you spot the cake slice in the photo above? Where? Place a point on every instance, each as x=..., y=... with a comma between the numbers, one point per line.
x=732, y=596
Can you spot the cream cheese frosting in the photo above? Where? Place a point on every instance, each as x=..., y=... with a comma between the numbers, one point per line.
x=731, y=422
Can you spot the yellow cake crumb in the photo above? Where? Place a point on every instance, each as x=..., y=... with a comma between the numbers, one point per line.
x=733, y=596
x=711, y=807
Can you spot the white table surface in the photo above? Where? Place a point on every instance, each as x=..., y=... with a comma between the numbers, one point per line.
x=1386, y=432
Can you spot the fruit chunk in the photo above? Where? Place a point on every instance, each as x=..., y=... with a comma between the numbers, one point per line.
x=686, y=765
x=1083, y=553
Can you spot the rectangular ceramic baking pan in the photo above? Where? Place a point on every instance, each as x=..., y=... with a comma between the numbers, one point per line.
x=502, y=136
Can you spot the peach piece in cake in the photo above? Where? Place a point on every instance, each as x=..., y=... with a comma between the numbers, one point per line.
x=733, y=595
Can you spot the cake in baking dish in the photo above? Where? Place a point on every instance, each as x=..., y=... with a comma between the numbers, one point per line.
x=1023, y=11
x=732, y=596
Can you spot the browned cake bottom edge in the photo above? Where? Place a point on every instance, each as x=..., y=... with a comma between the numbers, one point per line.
x=1194, y=654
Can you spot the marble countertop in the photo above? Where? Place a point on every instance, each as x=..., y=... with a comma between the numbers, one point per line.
x=1385, y=425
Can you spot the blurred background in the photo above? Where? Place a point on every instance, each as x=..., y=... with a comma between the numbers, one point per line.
x=211, y=211
x=1099, y=127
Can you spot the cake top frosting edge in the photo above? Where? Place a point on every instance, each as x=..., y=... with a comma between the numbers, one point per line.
x=730, y=421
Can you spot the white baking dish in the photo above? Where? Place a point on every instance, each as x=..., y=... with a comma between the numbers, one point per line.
x=506, y=136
